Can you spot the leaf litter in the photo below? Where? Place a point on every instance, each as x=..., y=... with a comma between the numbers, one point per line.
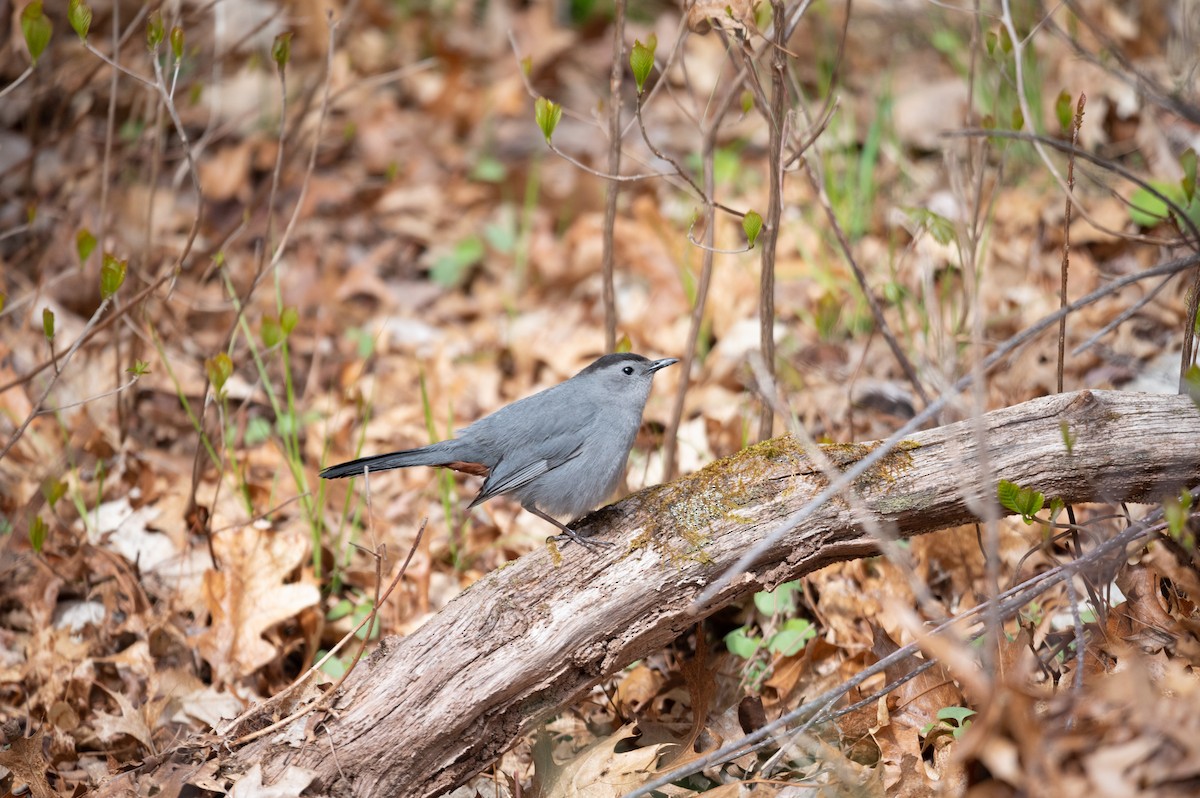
x=121, y=635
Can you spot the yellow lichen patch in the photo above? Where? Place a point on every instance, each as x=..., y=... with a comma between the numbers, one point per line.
x=640, y=541
x=684, y=511
x=895, y=462
x=774, y=449
x=844, y=455
x=555, y=552
x=688, y=508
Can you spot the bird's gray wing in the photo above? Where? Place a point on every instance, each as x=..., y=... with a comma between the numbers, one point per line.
x=503, y=480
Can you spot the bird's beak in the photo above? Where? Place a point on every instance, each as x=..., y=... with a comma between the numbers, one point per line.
x=661, y=364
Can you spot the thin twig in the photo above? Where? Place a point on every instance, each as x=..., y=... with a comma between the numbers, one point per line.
x=50, y=410
x=24, y=76
x=126, y=71
x=616, y=178
x=708, y=248
x=1066, y=248
x=255, y=519
x=881, y=322
x=1080, y=644
x=671, y=436
x=37, y=405
x=1121, y=318
x=969, y=243
x=15, y=231
x=766, y=285
x=612, y=188
x=658, y=153
x=110, y=127
x=384, y=78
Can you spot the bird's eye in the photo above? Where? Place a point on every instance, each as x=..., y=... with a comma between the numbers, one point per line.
x=628, y=369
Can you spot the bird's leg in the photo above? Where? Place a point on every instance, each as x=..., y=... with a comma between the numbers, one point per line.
x=568, y=533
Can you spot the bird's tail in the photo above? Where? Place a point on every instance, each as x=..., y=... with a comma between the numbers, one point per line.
x=433, y=455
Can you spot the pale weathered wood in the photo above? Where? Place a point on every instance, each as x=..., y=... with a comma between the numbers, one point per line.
x=430, y=710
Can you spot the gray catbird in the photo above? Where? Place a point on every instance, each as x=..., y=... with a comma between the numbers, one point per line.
x=558, y=452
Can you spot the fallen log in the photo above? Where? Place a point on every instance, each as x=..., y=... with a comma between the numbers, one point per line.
x=426, y=712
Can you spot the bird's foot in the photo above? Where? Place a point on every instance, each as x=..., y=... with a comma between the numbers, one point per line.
x=588, y=543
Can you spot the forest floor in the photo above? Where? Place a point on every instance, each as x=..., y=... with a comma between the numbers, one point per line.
x=414, y=256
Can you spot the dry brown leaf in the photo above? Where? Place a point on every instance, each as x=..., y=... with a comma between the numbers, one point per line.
x=926, y=111
x=702, y=689
x=599, y=771
x=132, y=721
x=290, y=784
x=1107, y=212
x=1141, y=619
x=249, y=595
x=1113, y=768
x=814, y=669
x=223, y=174
x=903, y=715
x=193, y=700
x=61, y=660
x=637, y=688
x=28, y=764
x=117, y=526
x=736, y=16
